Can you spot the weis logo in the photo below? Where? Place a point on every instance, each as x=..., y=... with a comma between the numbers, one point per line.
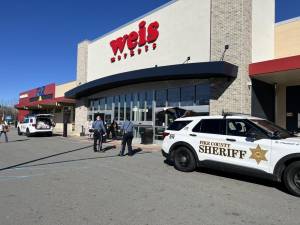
x=143, y=38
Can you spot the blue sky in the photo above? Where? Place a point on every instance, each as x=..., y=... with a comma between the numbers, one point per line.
x=38, y=38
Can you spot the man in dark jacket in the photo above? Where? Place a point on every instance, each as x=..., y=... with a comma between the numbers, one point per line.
x=99, y=131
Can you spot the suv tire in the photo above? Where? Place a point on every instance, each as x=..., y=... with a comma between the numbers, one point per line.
x=184, y=160
x=291, y=178
x=19, y=132
x=27, y=132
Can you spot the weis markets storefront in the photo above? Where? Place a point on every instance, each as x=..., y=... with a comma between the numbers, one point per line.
x=186, y=57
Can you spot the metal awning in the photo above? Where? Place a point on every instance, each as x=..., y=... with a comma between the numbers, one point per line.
x=174, y=72
x=281, y=71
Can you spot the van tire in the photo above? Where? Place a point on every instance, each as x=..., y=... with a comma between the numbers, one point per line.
x=19, y=132
x=28, y=133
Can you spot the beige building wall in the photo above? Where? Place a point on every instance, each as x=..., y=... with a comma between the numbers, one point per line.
x=287, y=38
x=62, y=88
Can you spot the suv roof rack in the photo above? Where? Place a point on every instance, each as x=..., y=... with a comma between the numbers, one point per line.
x=224, y=114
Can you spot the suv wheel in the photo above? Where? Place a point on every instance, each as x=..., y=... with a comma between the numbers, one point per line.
x=27, y=132
x=184, y=160
x=291, y=178
x=19, y=132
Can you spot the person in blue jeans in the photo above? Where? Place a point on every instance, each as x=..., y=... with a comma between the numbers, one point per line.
x=127, y=129
x=99, y=131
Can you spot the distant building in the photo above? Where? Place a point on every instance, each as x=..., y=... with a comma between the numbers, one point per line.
x=49, y=99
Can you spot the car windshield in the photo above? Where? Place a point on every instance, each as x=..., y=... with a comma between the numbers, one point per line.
x=273, y=130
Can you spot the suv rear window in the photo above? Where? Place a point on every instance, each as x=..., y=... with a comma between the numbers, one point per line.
x=178, y=125
x=211, y=126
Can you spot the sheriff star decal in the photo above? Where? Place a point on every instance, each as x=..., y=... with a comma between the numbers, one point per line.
x=258, y=154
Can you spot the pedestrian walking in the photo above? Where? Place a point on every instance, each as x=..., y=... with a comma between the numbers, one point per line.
x=99, y=131
x=113, y=129
x=127, y=129
x=3, y=130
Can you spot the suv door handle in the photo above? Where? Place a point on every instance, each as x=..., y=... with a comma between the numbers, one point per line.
x=230, y=139
x=193, y=135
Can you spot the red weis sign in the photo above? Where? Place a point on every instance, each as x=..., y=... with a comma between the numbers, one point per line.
x=144, y=39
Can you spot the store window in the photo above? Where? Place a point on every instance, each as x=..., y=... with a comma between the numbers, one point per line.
x=149, y=100
x=142, y=100
x=187, y=96
x=161, y=98
x=173, y=97
x=122, y=109
x=102, y=104
x=116, y=110
x=128, y=106
x=96, y=105
x=202, y=94
x=109, y=103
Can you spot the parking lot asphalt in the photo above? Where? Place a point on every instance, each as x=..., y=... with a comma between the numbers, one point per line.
x=61, y=181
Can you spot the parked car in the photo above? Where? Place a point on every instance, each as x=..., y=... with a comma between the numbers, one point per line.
x=37, y=124
x=237, y=143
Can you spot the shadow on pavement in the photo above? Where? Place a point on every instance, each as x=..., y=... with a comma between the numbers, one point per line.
x=19, y=140
x=236, y=176
x=75, y=160
x=46, y=157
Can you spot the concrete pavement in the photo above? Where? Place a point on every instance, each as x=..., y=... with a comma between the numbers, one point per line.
x=61, y=181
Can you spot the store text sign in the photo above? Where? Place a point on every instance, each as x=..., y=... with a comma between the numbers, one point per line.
x=143, y=39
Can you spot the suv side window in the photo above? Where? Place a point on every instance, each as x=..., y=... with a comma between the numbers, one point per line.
x=238, y=127
x=178, y=125
x=211, y=126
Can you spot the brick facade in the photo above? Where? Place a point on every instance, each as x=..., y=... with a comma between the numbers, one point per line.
x=231, y=25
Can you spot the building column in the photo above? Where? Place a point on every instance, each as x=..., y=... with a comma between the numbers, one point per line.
x=231, y=23
x=81, y=112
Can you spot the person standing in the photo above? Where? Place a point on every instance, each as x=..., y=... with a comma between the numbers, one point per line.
x=99, y=131
x=127, y=129
x=113, y=129
x=4, y=129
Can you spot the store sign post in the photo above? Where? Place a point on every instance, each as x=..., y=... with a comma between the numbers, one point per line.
x=144, y=39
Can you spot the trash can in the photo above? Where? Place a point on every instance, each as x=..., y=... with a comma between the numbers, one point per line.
x=147, y=136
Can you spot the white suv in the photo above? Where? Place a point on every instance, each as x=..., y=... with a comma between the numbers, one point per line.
x=37, y=124
x=242, y=144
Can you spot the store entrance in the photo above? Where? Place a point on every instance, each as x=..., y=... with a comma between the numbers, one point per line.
x=293, y=108
x=142, y=118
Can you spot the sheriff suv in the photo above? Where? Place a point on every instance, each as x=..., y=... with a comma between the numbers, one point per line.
x=37, y=124
x=236, y=143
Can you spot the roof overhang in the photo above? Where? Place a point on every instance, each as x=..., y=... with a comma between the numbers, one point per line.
x=46, y=103
x=173, y=72
x=281, y=71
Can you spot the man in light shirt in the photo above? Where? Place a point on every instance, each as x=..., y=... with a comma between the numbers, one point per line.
x=127, y=129
x=99, y=131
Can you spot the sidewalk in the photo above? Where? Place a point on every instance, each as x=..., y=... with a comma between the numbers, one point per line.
x=117, y=143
